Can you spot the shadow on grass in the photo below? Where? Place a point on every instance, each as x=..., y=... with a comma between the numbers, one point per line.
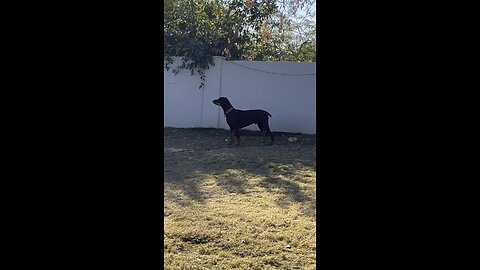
x=232, y=183
x=278, y=167
x=290, y=193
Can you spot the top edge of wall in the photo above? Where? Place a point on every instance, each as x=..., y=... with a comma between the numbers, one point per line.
x=249, y=61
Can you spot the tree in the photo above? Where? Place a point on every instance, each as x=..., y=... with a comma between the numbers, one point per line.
x=291, y=36
x=197, y=30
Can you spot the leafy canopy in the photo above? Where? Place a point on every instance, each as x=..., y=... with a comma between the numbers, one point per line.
x=258, y=30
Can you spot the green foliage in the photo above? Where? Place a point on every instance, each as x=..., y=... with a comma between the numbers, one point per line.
x=187, y=33
x=197, y=30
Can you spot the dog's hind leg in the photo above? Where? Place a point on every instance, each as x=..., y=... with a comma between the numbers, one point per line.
x=264, y=132
x=268, y=132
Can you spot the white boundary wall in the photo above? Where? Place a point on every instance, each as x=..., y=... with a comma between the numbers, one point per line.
x=290, y=99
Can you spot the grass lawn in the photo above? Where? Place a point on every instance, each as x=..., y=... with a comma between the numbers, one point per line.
x=247, y=207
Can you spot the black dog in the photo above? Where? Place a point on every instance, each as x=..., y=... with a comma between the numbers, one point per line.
x=238, y=119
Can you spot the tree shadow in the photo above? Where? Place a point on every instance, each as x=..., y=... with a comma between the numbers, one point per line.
x=290, y=193
x=278, y=167
x=232, y=182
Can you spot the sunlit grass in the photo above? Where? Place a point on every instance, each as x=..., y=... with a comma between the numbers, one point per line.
x=245, y=220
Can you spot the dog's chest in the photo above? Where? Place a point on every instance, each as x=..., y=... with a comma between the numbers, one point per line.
x=231, y=120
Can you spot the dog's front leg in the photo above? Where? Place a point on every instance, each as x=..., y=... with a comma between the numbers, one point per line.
x=237, y=137
x=231, y=137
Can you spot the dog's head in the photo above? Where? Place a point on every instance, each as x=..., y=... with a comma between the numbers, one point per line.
x=222, y=101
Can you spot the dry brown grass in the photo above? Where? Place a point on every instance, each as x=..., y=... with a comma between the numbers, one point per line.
x=247, y=207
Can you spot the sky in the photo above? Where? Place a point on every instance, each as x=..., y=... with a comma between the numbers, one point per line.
x=302, y=12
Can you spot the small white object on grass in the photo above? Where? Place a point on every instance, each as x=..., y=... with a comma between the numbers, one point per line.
x=292, y=139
